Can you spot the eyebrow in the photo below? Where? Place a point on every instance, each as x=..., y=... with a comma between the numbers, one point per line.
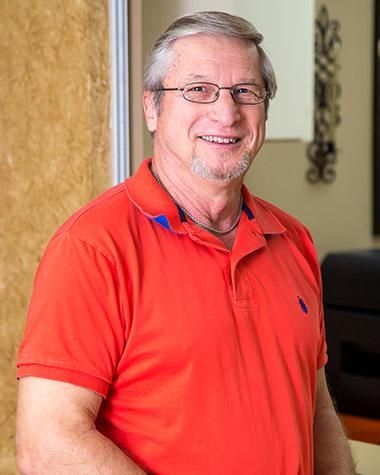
x=201, y=78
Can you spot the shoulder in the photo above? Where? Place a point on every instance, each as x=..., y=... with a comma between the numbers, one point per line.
x=294, y=227
x=104, y=214
x=99, y=212
x=296, y=234
x=102, y=222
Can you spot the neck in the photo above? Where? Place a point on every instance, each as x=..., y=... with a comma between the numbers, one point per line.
x=211, y=205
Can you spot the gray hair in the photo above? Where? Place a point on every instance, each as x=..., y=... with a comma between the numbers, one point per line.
x=209, y=22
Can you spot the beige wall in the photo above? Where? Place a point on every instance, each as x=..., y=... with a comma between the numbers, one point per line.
x=54, y=150
x=339, y=215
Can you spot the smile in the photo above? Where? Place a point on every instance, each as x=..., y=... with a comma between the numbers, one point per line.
x=215, y=139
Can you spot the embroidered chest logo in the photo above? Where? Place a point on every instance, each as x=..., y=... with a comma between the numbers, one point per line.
x=302, y=305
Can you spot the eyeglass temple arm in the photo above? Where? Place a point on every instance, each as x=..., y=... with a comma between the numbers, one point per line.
x=169, y=89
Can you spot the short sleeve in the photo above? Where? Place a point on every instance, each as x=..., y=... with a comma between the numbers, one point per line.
x=314, y=264
x=75, y=331
x=322, y=349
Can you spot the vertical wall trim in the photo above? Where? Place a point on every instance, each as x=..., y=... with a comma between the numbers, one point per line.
x=376, y=122
x=120, y=141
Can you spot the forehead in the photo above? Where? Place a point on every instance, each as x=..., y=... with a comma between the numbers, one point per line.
x=213, y=57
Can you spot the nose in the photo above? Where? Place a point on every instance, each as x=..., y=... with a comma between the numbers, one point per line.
x=225, y=110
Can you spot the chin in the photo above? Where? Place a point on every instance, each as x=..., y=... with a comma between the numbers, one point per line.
x=201, y=167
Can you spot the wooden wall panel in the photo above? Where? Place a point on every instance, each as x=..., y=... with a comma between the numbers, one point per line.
x=54, y=150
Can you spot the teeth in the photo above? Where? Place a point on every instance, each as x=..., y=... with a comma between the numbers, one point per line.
x=213, y=138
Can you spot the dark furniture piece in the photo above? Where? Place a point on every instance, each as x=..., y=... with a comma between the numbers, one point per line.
x=351, y=297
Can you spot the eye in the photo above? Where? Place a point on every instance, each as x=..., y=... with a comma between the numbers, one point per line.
x=243, y=90
x=249, y=93
x=197, y=88
x=200, y=92
x=246, y=90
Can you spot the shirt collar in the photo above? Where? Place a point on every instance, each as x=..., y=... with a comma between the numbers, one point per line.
x=155, y=203
x=265, y=221
x=148, y=196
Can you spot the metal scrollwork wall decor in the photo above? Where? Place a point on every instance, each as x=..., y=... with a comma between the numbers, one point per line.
x=322, y=152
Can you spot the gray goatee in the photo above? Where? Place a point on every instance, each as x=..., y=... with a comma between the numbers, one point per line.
x=200, y=168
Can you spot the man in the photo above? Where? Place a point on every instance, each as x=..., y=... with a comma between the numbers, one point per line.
x=176, y=323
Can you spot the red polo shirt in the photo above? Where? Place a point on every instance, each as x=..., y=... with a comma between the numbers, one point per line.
x=206, y=358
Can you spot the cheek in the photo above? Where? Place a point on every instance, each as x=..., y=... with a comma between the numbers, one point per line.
x=187, y=116
x=256, y=133
x=257, y=123
x=177, y=121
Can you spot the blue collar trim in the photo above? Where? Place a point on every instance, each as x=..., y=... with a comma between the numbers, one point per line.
x=181, y=214
x=163, y=220
x=248, y=211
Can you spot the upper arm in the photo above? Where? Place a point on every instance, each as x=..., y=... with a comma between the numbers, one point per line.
x=48, y=410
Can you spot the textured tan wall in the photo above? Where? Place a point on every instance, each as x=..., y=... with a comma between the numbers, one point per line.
x=54, y=150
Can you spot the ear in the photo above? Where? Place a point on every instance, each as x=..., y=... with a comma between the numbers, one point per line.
x=149, y=111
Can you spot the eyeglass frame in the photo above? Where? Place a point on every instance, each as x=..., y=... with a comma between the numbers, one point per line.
x=217, y=94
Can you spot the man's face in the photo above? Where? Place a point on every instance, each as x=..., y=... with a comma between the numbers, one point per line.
x=186, y=133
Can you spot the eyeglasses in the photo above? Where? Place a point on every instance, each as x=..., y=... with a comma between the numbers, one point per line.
x=207, y=92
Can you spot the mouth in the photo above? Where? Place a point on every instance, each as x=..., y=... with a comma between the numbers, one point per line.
x=219, y=140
